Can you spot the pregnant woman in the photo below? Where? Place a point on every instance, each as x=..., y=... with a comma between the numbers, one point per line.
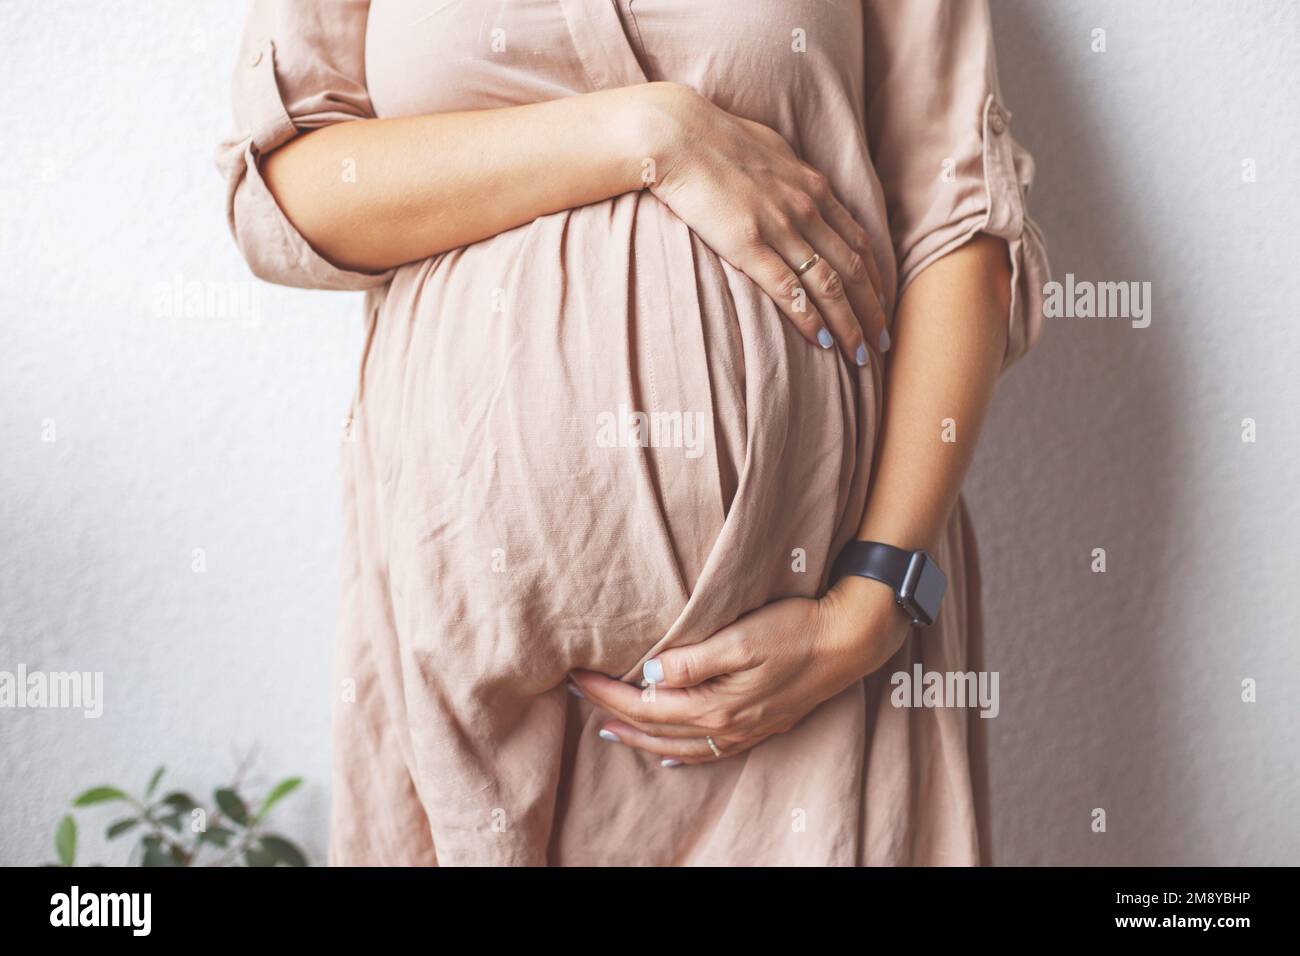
x=670, y=304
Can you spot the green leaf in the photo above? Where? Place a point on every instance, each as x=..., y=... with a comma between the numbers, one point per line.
x=172, y=820
x=99, y=795
x=153, y=782
x=278, y=793
x=180, y=802
x=232, y=806
x=283, y=851
x=256, y=856
x=121, y=826
x=217, y=835
x=155, y=854
x=65, y=840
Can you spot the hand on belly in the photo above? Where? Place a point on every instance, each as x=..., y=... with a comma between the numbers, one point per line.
x=757, y=677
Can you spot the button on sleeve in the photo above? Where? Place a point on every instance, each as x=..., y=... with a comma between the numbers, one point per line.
x=942, y=147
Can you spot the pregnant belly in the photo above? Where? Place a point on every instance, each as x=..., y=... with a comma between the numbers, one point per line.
x=589, y=438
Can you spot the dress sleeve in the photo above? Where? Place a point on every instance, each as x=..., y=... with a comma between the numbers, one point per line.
x=942, y=147
x=301, y=67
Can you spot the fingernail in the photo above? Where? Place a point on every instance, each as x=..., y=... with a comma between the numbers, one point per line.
x=573, y=689
x=884, y=340
x=824, y=339
x=653, y=671
x=609, y=735
x=884, y=303
x=670, y=762
x=862, y=355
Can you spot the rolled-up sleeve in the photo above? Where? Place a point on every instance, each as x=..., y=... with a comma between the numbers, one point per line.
x=301, y=67
x=942, y=147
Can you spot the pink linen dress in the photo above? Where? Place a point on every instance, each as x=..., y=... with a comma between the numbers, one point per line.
x=506, y=523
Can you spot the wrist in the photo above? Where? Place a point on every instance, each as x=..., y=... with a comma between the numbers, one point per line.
x=863, y=624
x=662, y=116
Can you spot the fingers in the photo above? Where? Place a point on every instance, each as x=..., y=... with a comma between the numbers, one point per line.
x=671, y=706
x=773, y=275
x=827, y=289
x=806, y=251
x=654, y=711
x=857, y=274
x=847, y=272
x=677, y=752
x=842, y=221
x=693, y=664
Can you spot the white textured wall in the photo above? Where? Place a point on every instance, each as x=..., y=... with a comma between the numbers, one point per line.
x=1123, y=690
x=175, y=432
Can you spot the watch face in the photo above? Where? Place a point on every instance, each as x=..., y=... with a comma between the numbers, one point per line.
x=923, y=588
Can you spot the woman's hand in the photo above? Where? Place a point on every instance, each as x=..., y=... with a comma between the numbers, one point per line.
x=740, y=187
x=757, y=677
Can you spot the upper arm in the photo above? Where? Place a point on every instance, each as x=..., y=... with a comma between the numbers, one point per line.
x=301, y=67
x=942, y=147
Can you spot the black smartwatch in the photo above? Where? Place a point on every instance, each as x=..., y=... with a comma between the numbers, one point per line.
x=917, y=581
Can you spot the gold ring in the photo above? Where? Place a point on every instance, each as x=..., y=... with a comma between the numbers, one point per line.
x=713, y=746
x=808, y=264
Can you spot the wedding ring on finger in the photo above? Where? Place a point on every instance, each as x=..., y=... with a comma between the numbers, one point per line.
x=808, y=264
x=713, y=746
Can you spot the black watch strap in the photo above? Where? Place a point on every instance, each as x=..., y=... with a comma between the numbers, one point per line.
x=916, y=580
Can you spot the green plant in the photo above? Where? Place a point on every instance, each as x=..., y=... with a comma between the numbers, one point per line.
x=175, y=830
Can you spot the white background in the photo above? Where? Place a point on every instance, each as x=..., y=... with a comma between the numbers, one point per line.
x=1119, y=690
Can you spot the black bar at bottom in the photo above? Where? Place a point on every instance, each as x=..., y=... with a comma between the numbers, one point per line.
x=564, y=907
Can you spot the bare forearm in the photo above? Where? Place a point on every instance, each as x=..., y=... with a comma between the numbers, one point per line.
x=372, y=194
x=950, y=337
x=951, y=333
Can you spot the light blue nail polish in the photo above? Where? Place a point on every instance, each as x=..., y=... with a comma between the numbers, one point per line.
x=653, y=671
x=824, y=339
x=609, y=735
x=670, y=762
x=884, y=340
x=573, y=689
x=861, y=356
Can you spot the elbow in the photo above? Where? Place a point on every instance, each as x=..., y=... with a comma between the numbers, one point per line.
x=996, y=262
x=330, y=224
x=991, y=260
x=299, y=199
x=277, y=251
